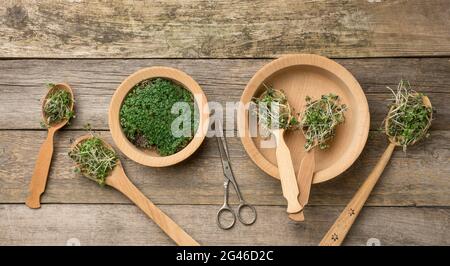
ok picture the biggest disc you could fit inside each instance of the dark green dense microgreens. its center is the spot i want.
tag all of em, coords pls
(408, 119)
(146, 118)
(94, 160)
(57, 106)
(320, 119)
(273, 110)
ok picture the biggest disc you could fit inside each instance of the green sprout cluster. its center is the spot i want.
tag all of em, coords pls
(274, 111)
(57, 106)
(409, 118)
(320, 119)
(94, 160)
(146, 117)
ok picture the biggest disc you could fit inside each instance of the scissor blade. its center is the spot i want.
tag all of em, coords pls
(225, 161)
(223, 149)
(221, 135)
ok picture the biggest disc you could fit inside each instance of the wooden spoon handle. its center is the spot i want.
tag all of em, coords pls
(287, 176)
(304, 179)
(336, 235)
(175, 232)
(40, 174)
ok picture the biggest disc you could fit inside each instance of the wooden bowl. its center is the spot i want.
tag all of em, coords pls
(309, 75)
(151, 157)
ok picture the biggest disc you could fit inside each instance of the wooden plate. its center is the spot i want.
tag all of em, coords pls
(298, 76)
(151, 157)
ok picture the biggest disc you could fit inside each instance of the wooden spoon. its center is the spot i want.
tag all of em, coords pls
(338, 231)
(287, 173)
(286, 168)
(118, 180)
(42, 166)
(304, 179)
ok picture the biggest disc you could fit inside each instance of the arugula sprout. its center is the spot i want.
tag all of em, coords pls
(94, 160)
(57, 107)
(409, 118)
(274, 111)
(320, 119)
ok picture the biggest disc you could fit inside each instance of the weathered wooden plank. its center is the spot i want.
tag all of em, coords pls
(417, 177)
(201, 28)
(94, 81)
(105, 225)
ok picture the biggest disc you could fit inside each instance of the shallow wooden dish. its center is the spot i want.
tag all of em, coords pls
(151, 157)
(309, 75)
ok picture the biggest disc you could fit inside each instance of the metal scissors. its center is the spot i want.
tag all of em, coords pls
(229, 177)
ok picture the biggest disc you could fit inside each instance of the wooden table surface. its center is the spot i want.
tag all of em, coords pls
(94, 45)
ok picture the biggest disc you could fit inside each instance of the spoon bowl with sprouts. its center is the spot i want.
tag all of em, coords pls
(408, 121)
(96, 160)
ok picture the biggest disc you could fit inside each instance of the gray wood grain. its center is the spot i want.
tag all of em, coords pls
(417, 177)
(22, 84)
(201, 28)
(126, 225)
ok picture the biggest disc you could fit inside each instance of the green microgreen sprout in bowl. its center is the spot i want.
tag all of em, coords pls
(57, 106)
(94, 159)
(409, 117)
(320, 119)
(274, 111)
(146, 115)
